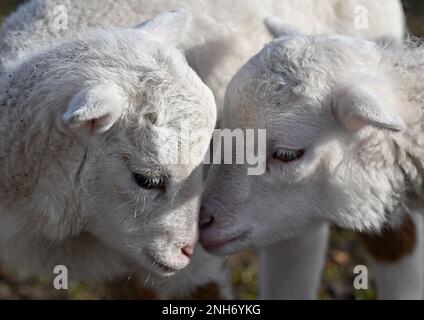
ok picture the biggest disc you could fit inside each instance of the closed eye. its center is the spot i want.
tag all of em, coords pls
(159, 182)
(287, 155)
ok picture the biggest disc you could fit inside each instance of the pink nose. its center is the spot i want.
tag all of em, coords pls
(188, 250)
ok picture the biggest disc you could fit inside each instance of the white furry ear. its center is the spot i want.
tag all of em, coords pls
(95, 109)
(278, 29)
(170, 26)
(355, 107)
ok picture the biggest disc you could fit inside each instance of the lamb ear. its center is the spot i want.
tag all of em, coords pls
(170, 26)
(95, 109)
(355, 107)
(279, 29)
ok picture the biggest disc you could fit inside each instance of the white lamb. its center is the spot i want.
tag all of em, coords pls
(49, 50)
(81, 184)
(344, 120)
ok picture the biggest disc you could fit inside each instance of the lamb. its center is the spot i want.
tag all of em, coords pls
(344, 120)
(208, 37)
(81, 184)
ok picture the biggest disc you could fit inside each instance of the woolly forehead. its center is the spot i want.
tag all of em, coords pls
(119, 56)
(131, 53)
(154, 77)
(177, 134)
(298, 71)
(166, 109)
(310, 65)
(302, 52)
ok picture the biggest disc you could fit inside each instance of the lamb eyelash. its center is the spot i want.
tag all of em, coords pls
(287, 155)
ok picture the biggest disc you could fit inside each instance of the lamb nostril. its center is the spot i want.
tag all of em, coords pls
(206, 222)
(188, 250)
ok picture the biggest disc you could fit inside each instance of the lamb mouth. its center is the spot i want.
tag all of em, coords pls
(164, 268)
(220, 244)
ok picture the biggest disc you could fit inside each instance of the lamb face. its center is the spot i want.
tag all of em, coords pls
(332, 119)
(151, 195)
(110, 108)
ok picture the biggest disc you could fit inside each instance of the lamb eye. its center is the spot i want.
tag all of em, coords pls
(151, 182)
(287, 155)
